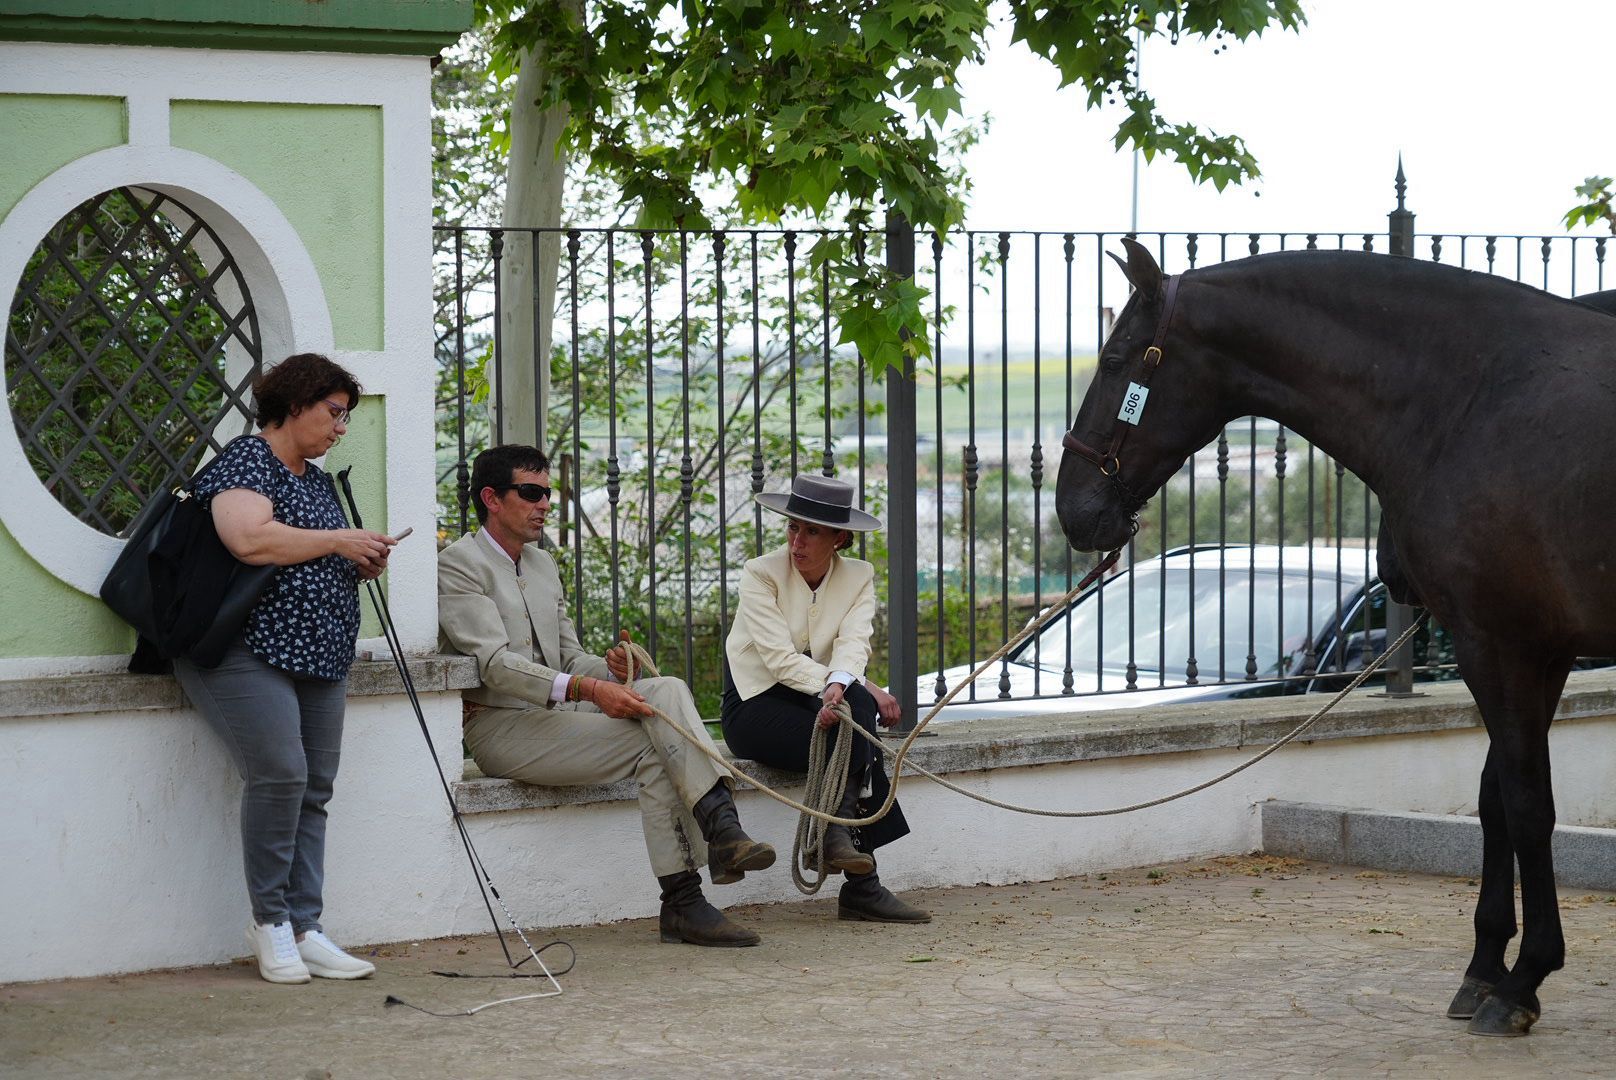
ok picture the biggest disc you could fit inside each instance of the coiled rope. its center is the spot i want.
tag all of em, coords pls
(827, 776)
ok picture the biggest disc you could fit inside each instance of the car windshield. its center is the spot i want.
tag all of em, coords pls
(1250, 621)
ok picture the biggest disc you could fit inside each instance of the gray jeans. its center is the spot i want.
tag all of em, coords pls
(284, 733)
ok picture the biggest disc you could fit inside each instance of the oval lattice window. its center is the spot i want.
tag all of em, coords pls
(129, 353)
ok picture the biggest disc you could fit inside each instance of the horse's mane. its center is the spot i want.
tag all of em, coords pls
(1400, 270)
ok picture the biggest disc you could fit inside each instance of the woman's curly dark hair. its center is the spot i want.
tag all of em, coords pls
(298, 382)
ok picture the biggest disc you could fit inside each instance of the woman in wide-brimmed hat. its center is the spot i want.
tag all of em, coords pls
(798, 647)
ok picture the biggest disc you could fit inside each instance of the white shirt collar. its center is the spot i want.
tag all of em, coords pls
(495, 544)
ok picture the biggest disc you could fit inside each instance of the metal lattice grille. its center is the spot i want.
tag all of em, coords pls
(125, 353)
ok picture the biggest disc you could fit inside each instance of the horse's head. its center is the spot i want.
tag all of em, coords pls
(1147, 409)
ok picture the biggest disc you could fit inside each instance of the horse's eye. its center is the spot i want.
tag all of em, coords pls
(1112, 362)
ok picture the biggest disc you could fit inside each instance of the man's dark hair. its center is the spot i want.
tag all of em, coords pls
(298, 382)
(496, 466)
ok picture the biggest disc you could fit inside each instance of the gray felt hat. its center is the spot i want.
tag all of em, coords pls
(823, 500)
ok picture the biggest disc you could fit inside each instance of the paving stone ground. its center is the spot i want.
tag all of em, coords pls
(1251, 967)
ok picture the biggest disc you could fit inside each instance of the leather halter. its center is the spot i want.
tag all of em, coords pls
(1109, 460)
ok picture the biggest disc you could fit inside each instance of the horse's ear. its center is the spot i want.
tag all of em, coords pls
(1141, 269)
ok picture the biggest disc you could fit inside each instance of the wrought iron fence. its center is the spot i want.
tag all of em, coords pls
(691, 370)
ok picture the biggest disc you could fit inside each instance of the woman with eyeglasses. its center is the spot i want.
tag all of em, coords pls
(277, 698)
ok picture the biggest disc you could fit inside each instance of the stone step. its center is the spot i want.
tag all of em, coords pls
(1584, 857)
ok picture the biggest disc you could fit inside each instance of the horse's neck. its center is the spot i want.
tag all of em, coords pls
(1336, 374)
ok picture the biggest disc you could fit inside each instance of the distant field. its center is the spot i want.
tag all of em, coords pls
(1005, 393)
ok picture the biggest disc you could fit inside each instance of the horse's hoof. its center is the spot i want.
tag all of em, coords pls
(1502, 1019)
(1472, 992)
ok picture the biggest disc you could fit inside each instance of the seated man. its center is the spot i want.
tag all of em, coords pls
(547, 712)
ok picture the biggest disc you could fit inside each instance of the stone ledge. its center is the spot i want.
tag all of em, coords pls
(1061, 738)
(1584, 858)
(104, 692)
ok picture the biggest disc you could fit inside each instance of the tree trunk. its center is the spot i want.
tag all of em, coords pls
(533, 187)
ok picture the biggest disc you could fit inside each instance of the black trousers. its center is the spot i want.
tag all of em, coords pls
(774, 728)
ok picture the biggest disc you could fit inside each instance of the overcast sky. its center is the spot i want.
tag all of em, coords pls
(1499, 110)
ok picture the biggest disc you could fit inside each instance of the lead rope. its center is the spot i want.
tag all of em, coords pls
(827, 783)
(825, 777)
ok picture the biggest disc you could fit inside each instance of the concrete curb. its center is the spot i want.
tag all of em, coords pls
(1422, 843)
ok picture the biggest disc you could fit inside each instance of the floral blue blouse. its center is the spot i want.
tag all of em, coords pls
(307, 621)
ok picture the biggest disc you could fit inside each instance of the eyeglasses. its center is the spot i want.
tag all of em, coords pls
(533, 493)
(338, 413)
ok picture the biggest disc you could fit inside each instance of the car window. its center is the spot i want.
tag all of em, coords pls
(1250, 622)
(1431, 645)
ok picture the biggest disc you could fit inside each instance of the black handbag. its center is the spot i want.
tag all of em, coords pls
(178, 585)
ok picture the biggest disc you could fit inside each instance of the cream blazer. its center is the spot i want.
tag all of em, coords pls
(515, 625)
(785, 632)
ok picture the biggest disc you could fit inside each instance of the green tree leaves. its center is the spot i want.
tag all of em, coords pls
(820, 108)
(1595, 208)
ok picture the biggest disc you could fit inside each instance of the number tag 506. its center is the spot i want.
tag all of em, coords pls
(1133, 403)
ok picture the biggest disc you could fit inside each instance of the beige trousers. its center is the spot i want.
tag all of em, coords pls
(576, 743)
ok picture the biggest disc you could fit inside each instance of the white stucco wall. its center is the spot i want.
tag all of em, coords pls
(121, 848)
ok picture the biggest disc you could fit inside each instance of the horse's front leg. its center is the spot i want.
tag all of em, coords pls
(1495, 908)
(1516, 697)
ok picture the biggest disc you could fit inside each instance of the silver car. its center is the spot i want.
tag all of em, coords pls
(1286, 617)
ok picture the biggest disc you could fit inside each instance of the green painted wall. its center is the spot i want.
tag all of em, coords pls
(322, 166)
(45, 617)
(39, 133)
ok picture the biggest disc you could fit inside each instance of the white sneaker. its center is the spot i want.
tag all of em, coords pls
(276, 950)
(325, 960)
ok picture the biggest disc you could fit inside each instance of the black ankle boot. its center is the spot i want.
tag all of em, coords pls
(837, 846)
(864, 898)
(730, 852)
(687, 916)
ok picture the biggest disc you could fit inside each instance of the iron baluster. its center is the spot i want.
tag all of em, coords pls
(1036, 462)
(969, 503)
(1279, 482)
(827, 464)
(614, 472)
(687, 470)
(939, 685)
(1223, 545)
(1068, 249)
(1251, 551)
(1004, 457)
(757, 406)
(723, 428)
(791, 337)
(577, 438)
(648, 253)
(462, 471)
(496, 247)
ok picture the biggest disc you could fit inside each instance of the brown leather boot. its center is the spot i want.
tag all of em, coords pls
(730, 852)
(864, 898)
(837, 847)
(688, 917)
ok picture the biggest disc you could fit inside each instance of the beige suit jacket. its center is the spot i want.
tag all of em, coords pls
(785, 632)
(515, 625)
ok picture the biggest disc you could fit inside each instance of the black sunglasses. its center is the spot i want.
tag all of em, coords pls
(533, 493)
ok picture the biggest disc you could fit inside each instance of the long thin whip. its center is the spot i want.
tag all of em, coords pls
(485, 881)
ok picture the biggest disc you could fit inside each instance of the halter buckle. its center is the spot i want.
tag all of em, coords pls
(1153, 356)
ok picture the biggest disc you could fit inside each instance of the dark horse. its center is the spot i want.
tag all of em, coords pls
(1483, 413)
